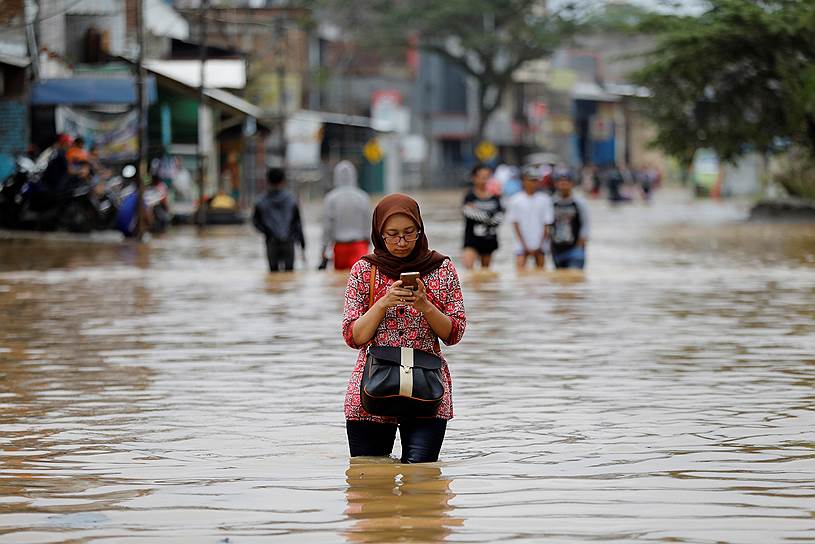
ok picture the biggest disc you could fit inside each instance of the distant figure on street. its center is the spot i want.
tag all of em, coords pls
(615, 180)
(277, 216)
(531, 215)
(55, 175)
(83, 173)
(483, 214)
(571, 223)
(346, 218)
(77, 154)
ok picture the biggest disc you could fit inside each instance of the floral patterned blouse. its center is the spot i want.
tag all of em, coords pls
(402, 326)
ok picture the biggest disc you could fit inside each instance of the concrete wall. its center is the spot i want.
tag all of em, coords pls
(51, 34)
(76, 27)
(616, 53)
(744, 177)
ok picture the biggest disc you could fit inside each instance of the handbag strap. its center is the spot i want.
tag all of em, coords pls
(373, 287)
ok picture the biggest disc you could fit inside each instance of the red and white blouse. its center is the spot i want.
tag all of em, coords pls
(402, 326)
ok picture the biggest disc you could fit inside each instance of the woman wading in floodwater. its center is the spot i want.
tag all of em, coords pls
(400, 317)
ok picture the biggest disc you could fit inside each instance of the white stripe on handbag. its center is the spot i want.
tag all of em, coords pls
(406, 376)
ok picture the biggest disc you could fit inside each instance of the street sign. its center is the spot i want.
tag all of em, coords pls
(373, 151)
(486, 151)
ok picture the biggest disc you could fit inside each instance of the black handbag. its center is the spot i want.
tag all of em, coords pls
(403, 382)
(399, 381)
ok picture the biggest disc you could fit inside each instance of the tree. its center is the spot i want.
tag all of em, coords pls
(739, 77)
(488, 39)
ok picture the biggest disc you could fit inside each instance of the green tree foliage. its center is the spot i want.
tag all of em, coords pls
(740, 76)
(488, 39)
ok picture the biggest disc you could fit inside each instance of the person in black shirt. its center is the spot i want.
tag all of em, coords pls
(570, 231)
(483, 213)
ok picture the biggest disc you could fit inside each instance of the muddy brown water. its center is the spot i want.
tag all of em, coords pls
(177, 393)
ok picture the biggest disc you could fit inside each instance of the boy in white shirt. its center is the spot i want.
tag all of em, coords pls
(531, 215)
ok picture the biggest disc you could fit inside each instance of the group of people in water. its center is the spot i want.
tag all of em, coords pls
(542, 223)
(545, 218)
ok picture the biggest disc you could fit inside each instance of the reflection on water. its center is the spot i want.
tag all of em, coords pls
(392, 502)
(176, 392)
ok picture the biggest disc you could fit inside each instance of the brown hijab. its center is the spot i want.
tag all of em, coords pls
(421, 259)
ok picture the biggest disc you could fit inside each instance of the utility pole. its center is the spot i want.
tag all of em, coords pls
(31, 10)
(280, 37)
(202, 117)
(141, 170)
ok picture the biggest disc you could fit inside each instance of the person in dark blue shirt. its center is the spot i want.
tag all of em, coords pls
(277, 216)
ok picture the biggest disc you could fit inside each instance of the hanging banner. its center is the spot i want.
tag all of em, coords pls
(115, 135)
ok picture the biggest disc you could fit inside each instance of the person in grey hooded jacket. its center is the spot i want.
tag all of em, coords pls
(277, 216)
(346, 218)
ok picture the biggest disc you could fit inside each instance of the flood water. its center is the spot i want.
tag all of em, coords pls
(175, 392)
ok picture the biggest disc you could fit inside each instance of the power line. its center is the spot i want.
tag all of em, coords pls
(249, 22)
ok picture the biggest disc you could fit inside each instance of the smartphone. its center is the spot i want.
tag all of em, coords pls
(409, 280)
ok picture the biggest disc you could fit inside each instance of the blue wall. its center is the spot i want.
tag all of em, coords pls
(13, 133)
(584, 147)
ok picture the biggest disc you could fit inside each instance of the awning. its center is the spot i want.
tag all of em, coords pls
(219, 73)
(589, 90)
(626, 89)
(14, 60)
(235, 102)
(336, 118)
(221, 98)
(86, 91)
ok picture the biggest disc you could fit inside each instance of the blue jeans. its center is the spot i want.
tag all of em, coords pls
(570, 258)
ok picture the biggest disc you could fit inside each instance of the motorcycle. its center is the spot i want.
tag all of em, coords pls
(80, 205)
(154, 203)
(12, 190)
(77, 206)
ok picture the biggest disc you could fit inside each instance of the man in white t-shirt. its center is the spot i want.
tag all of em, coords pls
(531, 215)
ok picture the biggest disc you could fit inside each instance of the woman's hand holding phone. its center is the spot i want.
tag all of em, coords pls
(397, 296)
(420, 302)
(409, 280)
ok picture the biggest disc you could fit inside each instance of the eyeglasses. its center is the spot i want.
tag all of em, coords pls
(410, 237)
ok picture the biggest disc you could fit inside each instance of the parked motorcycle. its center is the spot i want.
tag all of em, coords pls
(78, 205)
(12, 190)
(154, 203)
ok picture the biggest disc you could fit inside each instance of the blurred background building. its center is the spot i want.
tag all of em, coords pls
(289, 85)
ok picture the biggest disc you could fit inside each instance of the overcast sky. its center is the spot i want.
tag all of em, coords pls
(682, 6)
(689, 6)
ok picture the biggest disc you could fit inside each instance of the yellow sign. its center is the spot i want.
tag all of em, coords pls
(486, 151)
(562, 79)
(562, 124)
(373, 151)
(264, 91)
